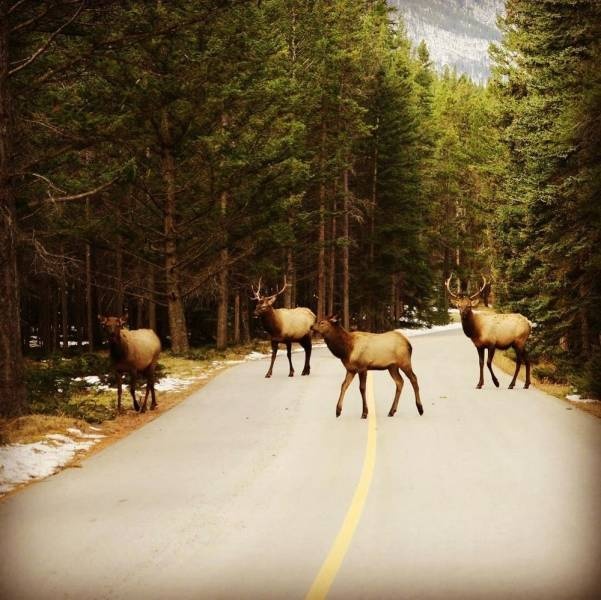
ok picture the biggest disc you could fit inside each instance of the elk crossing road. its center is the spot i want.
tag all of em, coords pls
(252, 488)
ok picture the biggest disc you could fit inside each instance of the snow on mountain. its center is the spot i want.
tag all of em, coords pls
(457, 32)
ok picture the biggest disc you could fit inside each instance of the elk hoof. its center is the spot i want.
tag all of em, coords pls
(338, 411)
(510, 386)
(153, 407)
(527, 386)
(305, 372)
(479, 386)
(391, 413)
(291, 374)
(136, 407)
(268, 375)
(496, 382)
(143, 411)
(420, 409)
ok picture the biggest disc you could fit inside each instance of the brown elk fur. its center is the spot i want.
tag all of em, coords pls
(492, 332)
(361, 351)
(132, 352)
(285, 325)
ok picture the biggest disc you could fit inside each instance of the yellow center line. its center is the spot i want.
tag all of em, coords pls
(323, 582)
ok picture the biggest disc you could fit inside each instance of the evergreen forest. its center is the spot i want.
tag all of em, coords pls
(161, 158)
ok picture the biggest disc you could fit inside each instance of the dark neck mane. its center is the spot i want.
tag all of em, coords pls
(270, 321)
(339, 342)
(117, 348)
(468, 322)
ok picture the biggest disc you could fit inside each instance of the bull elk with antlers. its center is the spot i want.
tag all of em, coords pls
(284, 325)
(492, 332)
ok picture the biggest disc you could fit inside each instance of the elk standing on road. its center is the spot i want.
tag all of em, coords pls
(360, 352)
(494, 332)
(285, 325)
(132, 352)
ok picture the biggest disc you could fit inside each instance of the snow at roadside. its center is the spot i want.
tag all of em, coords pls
(21, 463)
(579, 398)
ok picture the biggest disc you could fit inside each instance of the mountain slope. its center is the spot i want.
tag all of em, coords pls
(457, 32)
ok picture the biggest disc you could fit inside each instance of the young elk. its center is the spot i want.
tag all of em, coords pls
(360, 352)
(492, 332)
(285, 325)
(132, 352)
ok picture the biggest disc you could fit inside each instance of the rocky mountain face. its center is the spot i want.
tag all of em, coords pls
(457, 32)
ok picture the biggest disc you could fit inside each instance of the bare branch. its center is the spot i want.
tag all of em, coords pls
(27, 61)
(79, 196)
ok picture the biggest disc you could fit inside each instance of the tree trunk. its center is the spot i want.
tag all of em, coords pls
(64, 308)
(289, 274)
(237, 317)
(152, 307)
(12, 389)
(245, 323)
(89, 295)
(345, 253)
(321, 266)
(332, 269)
(119, 296)
(222, 306)
(178, 330)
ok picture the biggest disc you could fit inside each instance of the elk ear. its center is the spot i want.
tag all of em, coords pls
(101, 319)
(271, 300)
(475, 302)
(334, 320)
(125, 318)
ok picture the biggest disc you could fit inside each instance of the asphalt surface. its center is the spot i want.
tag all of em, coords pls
(241, 490)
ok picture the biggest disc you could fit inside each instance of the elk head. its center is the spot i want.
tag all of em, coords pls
(464, 302)
(113, 325)
(326, 325)
(264, 303)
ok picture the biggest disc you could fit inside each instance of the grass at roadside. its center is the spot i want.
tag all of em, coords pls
(63, 399)
(506, 362)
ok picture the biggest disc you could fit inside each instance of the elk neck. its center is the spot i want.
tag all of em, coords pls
(468, 322)
(270, 321)
(339, 342)
(117, 347)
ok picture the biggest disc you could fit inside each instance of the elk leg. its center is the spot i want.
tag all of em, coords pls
(518, 364)
(274, 351)
(306, 344)
(413, 379)
(149, 386)
(362, 388)
(153, 404)
(347, 381)
(132, 390)
(396, 375)
(119, 390)
(481, 360)
(491, 354)
(527, 361)
(289, 354)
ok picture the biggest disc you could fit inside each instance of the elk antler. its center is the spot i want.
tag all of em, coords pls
(257, 292)
(282, 290)
(447, 282)
(474, 296)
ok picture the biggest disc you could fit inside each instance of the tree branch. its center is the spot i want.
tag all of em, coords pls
(27, 61)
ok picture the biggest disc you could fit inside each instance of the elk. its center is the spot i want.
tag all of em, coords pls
(284, 325)
(361, 351)
(492, 332)
(132, 352)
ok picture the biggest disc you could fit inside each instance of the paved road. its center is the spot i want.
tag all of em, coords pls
(240, 492)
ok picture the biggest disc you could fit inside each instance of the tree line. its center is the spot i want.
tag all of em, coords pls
(160, 157)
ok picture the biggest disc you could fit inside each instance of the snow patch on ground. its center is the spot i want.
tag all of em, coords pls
(429, 330)
(579, 398)
(21, 463)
